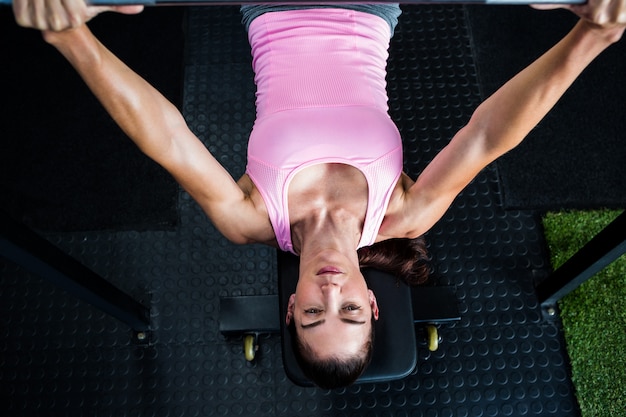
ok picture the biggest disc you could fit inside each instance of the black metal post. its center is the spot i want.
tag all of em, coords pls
(604, 248)
(24, 247)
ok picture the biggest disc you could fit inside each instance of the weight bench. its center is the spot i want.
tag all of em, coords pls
(395, 345)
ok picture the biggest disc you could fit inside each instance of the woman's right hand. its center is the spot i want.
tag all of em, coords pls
(60, 15)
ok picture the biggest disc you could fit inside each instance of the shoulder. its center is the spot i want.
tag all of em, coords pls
(243, 220)
(409, 214)
(252, 217)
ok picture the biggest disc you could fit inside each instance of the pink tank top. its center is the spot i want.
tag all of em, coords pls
(321, 98)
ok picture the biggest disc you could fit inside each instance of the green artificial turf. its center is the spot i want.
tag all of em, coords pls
(593, 316)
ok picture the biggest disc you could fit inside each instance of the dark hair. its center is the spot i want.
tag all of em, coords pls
(405, 258)
(332, 372)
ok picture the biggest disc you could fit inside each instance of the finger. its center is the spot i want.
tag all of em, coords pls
(622, 16)
(56, 16)
(21, 12)
(130, 9)
(76, 12)
(549, 6)
(582, 10)
(618, 12)
(38, 14)
(124, 9)
(604, 13)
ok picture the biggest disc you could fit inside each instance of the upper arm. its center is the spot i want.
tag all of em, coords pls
(454, 167)
(210, 185)
(158, 128)
(500, 123)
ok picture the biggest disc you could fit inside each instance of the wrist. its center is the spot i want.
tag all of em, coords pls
(608, 34)
(77, 45)
(60, 38)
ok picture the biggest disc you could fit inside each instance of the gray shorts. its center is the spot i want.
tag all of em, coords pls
(387, 11)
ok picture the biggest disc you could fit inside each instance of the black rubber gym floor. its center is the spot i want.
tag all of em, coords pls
(60, 356)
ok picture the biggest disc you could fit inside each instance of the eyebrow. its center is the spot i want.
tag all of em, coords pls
(319, 322)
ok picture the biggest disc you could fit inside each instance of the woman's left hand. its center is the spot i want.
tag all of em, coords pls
(605, 14)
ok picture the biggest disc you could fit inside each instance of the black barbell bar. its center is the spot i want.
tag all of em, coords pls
(237, 2)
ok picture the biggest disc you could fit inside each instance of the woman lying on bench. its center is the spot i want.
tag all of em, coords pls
(324, 178)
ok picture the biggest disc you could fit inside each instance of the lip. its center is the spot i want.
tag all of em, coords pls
(329, 270)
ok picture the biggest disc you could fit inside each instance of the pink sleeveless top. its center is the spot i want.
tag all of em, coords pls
(321, 98)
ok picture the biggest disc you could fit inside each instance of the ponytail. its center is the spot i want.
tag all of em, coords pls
(405, 258)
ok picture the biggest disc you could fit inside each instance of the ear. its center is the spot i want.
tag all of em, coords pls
(373, 304)
(290, 308)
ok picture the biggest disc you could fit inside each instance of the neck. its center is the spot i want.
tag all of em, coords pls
(322, 229)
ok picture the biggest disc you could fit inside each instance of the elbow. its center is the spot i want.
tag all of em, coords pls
(239, 239)
(232, 232)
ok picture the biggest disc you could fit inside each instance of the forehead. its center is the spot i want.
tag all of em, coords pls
(335, 338)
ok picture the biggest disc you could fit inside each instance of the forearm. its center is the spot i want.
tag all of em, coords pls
(506, 117)
(147, 117)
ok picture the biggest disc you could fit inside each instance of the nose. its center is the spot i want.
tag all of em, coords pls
(330, 288)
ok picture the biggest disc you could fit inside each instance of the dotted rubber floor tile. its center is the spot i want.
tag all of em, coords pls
(60, 356)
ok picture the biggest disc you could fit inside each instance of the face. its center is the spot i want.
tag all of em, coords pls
(332, 307)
